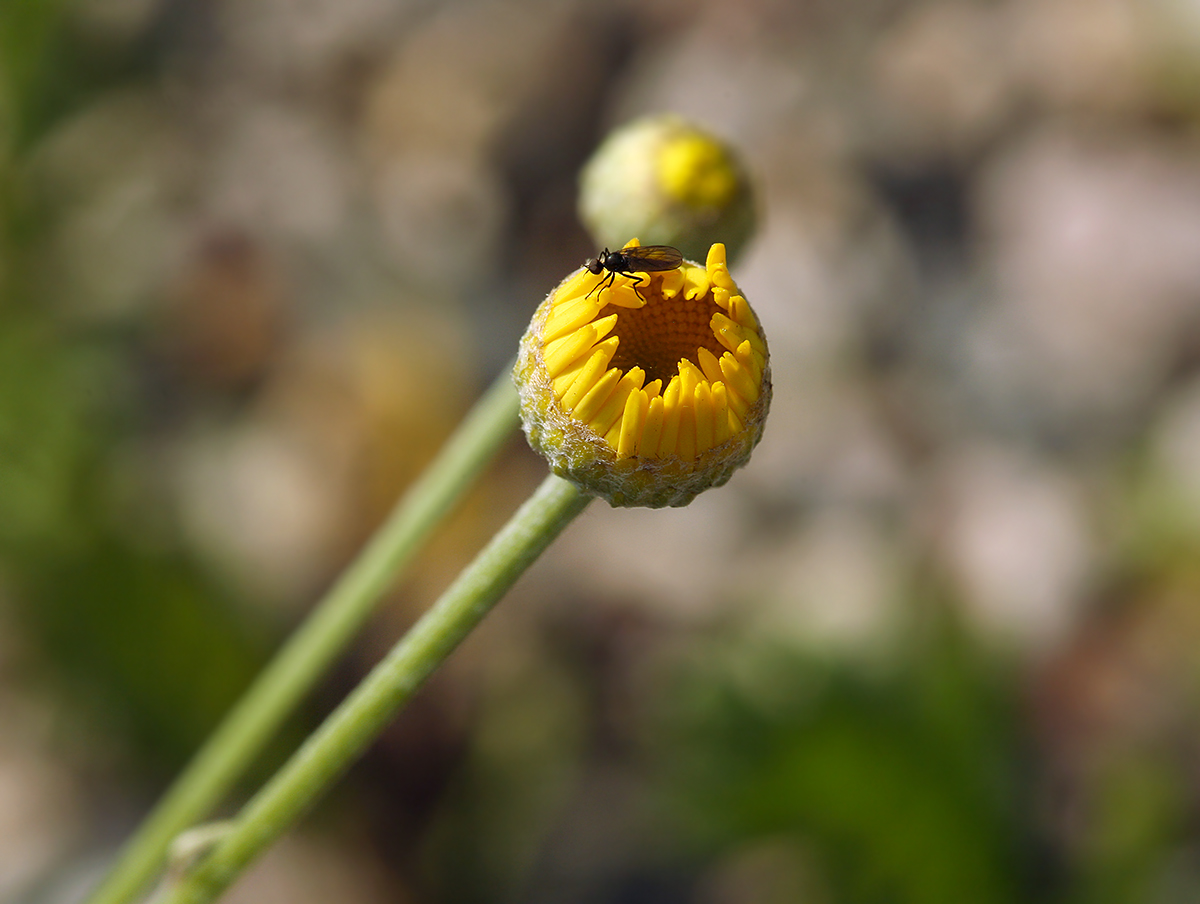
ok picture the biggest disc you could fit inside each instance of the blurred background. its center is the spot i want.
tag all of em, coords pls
(936, 643)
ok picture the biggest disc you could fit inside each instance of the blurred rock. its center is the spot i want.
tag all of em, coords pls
(1093, 241)
(754, 85)
(833, 587)
(438, 120)
(307, 869)
(688, 573)
(112, 172)
(1089, 55)
(264, 507)
(1176, 450)
(41, 806)
(442, 218)
(272, 42)
(280, 496)
(1014, 537)
(114, 20)
(280, 170)
(773, 871)
(225, 312)
(943, 77)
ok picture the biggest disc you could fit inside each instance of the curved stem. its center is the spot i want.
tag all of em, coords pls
(314, 646)
(331, 749)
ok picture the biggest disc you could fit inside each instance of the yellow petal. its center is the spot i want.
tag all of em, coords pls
(728, 333)
(740, 311)
(705, 428)
(689, 376)
(670, 430)
(740, 383)
(652, 431)
(569, 316)
(708, 364)
(637, 406)
(595, 397)
(562, 353)
(672, 281)
(695, 282)
(722, 429)
(621, 294)
(686, 441)
(753, 362)
(591, 372)
(716, 256)
(603, 422)
(574, 285)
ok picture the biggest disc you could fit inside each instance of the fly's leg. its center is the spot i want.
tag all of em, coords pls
(637, 281)
(603, 284)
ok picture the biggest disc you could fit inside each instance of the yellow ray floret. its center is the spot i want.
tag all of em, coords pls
(615, 406)
(695, 282)
(592, 363)
(652, 429)
(710, 366)
(672, 282)
(705, 416)
(570, 317)
(723, 427)
(637, 407)
(739, 381)
(589, 374)
(670, 429)
(562, 353)
(593, 400)
(685, 443)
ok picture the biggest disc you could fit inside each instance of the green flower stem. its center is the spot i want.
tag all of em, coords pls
(314, 646)
(331, 749)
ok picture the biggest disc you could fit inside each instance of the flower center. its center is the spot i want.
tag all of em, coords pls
(656, 336)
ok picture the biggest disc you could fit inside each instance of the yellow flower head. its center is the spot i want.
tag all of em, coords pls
(645, 388)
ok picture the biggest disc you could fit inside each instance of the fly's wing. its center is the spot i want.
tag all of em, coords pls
(651, 258)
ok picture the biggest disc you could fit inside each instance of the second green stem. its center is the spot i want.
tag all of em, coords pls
(328, 630)
(346, 733)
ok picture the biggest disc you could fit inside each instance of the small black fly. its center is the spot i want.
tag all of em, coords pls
(629, 261)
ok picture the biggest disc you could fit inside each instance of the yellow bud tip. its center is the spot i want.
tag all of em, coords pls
(671, 182)
(697, 171)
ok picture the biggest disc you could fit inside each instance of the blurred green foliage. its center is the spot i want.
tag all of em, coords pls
(903, 784)
(48, 67)
(753, 769)
(121, 617)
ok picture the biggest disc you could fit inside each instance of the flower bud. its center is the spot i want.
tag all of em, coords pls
(645, 388)
(670, 182)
